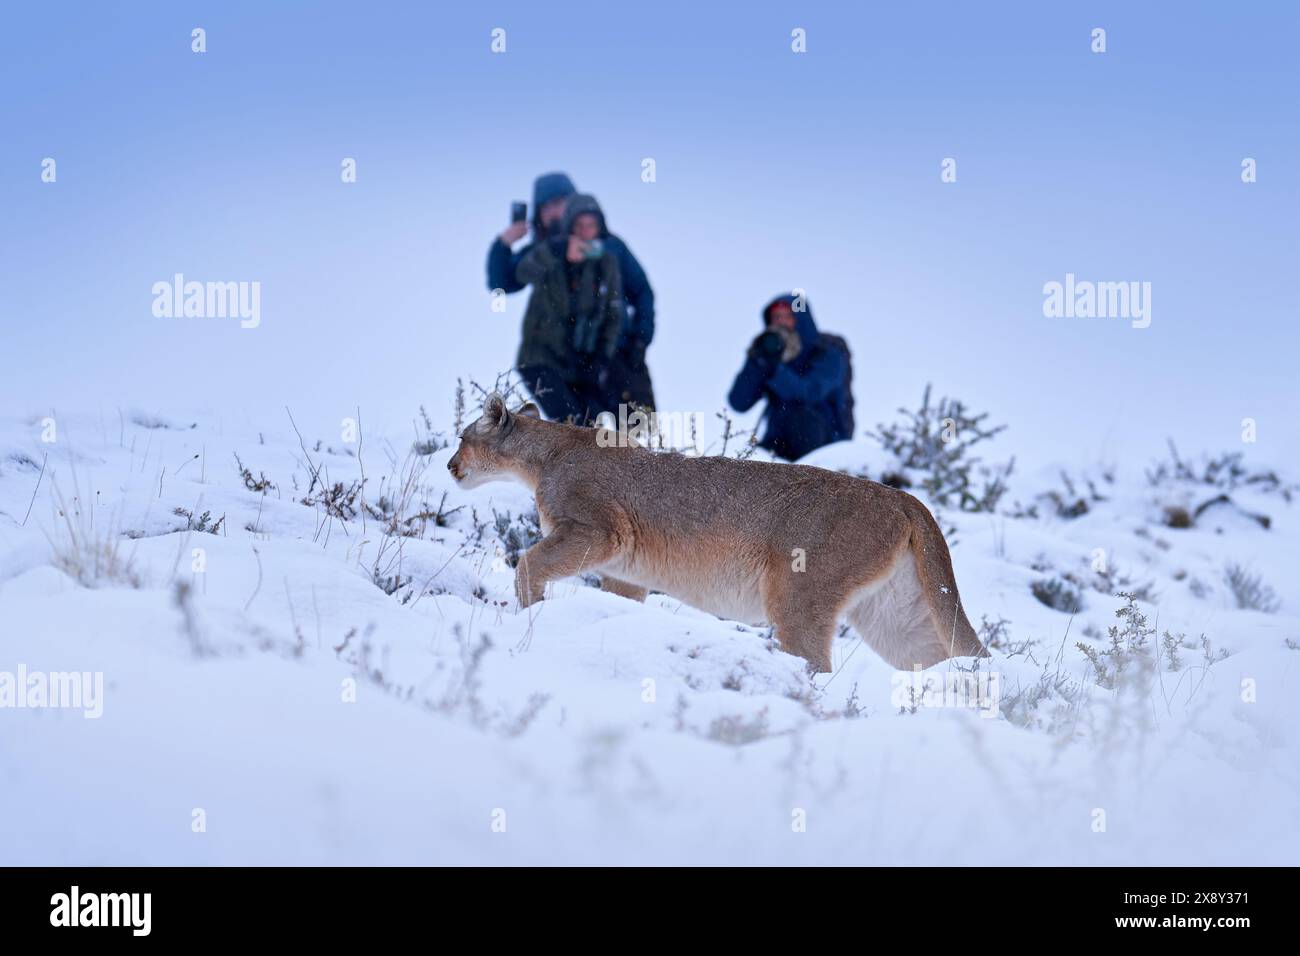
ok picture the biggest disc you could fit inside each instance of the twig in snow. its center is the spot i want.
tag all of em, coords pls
(249, 602)
(44, 459)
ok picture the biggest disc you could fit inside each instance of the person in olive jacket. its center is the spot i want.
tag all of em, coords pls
(629, 377)
(574, 317)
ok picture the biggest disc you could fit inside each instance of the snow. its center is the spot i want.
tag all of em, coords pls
(311, 717)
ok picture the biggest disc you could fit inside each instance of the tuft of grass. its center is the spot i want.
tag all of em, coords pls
(516, 533)
(1070, 501)
(1129, 647)
(1249, 590)
(154, 422)
(261, 484)
(202, 523)
(87, 552)
(427, 442)
(735, 731)
(1058, 594)
(1226, 471)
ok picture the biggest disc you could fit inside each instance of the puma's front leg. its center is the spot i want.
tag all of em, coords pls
(622, 588)
(568, 550)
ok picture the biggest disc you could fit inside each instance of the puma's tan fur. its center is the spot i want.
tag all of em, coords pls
(725, 536)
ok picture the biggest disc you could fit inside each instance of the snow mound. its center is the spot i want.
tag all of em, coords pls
(310, 653)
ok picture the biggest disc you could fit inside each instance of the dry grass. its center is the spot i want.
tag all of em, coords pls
(86, 550)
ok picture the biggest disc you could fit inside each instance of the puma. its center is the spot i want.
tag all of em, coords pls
(796, 546)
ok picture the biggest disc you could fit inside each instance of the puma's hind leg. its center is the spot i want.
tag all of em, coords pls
(804, 627)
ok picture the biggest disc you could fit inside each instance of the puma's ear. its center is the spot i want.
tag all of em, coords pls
(494, 411)
(529, 409)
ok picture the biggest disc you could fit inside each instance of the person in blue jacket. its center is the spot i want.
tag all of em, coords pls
(804, 377)
(550, 193)
(628, 379)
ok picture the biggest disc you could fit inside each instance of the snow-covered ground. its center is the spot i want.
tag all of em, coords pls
(267, 700)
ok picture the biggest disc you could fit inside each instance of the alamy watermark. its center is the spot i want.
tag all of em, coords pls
(971, 690)
(1084, 299)
(71, 690)
(208, 300)
(663, 431)
(130, 910)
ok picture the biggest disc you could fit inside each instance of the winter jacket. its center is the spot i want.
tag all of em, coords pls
(502, 263)
(807, 389)
(639, 326)
(503, 267)
(575, 313)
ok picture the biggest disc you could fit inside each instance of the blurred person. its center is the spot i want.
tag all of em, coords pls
(628, 378)
(574, 318)
(806, 377)
(550, 193)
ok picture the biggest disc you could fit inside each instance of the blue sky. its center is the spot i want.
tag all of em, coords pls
(774, 170)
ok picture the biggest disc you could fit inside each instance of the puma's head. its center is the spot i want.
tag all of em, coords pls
(490, 448)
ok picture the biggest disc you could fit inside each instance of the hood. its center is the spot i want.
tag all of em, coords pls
(550, 186)
(803, 320)
(578, 204)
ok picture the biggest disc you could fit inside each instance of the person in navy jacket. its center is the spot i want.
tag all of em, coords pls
(804, 377)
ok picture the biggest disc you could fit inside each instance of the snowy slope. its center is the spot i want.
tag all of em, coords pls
(264, 681)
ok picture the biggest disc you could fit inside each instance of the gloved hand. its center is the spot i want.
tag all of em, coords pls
(767, 348)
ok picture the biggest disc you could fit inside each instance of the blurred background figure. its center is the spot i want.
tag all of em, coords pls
(806, 377)
(550, 192)
(575, 315)
(628, 379)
